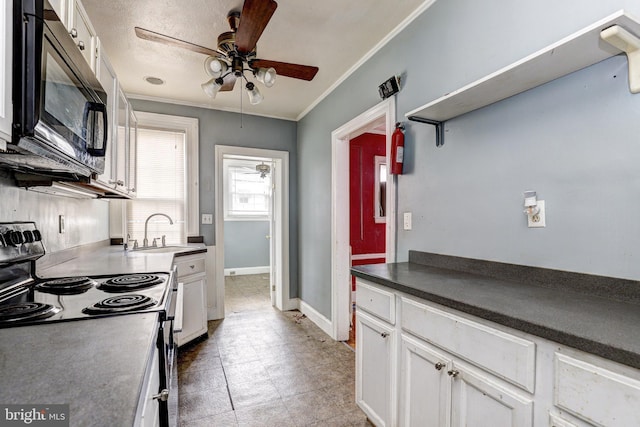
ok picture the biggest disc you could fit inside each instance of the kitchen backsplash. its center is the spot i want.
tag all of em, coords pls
(86, 220)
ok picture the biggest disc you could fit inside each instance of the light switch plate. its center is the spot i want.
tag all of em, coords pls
(207, 218)
(407, 221)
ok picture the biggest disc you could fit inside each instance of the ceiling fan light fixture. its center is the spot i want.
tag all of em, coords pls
(255, 97)
(215, 67)
(263, 169)
(266, 76)
(212, 87)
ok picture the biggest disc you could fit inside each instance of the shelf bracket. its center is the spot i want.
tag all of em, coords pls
(439, 128)
(629, 43)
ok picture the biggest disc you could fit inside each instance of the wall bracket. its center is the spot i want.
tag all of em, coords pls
(439, 128)
(629, 43)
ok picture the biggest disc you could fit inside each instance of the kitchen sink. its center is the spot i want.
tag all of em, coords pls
(162, 249)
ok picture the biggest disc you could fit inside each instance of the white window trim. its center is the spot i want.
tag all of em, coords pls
(189, 126)
(379, 160)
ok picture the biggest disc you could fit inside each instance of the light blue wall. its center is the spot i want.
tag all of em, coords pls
(224, 128)
(575, 141)
(245, 244)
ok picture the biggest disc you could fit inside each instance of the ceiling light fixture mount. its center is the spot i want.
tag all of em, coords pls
(236, 53)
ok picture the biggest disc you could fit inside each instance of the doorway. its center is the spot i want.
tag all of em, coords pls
(380, 116)
(252, 223)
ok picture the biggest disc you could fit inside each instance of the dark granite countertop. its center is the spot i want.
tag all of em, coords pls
(555, 308)
(97, 366)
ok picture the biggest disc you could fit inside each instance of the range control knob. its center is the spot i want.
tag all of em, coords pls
(13, 238)
(2, 241)
(28, 236)
(36, 235)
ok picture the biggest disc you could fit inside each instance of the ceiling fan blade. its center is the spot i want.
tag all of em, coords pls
(172, 41)
(254, 18)
(229, 82)
(296, 71)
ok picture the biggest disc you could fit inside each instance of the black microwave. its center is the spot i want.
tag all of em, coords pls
(59, 107)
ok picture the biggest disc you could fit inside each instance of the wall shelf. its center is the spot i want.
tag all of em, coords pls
(575, 52)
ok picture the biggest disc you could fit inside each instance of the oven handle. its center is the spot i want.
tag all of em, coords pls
(177, 320)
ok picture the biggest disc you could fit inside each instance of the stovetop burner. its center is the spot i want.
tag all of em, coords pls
(67, 285)
(121, 303)
(26, 311)
(130, 282)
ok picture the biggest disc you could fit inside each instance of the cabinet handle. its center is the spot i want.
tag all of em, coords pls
(192, 266)
(384, 334)
(162, 396)
(81, 45)
(73, 33)
(453, 373)
(439, 366)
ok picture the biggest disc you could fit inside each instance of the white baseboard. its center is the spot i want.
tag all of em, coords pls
(317, 318)
(246, 270)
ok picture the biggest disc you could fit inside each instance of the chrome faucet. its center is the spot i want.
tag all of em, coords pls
(145, 242)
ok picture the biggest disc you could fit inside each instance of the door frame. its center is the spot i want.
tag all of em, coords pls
(340, 248)
(280, 260)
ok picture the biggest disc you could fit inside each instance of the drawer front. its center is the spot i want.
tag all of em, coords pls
(595, 394)
(189, 267)
(507, 356)
(376, 301)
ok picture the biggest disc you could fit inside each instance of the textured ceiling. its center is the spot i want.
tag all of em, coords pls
(330, 34)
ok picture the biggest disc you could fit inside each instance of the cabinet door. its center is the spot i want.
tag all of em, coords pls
(479, 401)
(82, 32)
(5, 70)
(425, 387)
(108, 80)
(194, 322)
(132, 150)
(121, 145)
(375, 344)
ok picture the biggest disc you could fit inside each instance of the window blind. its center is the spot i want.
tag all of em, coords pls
(161, 187)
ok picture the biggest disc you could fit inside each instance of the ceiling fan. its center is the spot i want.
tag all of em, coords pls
(236, 52)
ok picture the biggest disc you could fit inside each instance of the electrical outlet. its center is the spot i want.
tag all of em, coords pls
(538, 220)
(207, 218)
(61, 224)
(407, 221)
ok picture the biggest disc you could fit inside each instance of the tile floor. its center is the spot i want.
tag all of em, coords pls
(261, 367)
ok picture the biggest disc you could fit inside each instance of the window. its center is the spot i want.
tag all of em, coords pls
(167, 179)
(247, 194)
(380, 190)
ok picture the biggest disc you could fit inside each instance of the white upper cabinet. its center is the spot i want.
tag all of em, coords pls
(109, 81)
(5, 70)
(82, 31)
(132, 171)
(60, 7)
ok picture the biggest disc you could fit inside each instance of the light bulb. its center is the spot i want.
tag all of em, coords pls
(266, 76)
(215, 67)
(212, 87)
(255, 97)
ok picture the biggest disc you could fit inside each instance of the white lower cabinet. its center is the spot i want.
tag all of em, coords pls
(148, 414)
(478, 400)
(436, 390)
(193, 276)
(375, 347)
(425, 387)
(455, 369)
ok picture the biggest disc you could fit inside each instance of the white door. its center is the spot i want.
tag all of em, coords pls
(272, 239)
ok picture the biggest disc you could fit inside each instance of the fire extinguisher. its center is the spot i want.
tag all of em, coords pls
(397, 149)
